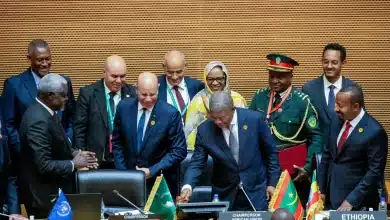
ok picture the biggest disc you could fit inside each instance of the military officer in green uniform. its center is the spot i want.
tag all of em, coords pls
(292, 120)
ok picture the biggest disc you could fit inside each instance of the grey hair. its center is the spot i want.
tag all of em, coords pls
(52, 83)
(221, 100)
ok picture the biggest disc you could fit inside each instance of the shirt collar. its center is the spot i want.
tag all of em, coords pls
(37, 79)
(354, 122)
(338, 84)
(182, 84)
(234, 119)
(140, 107)
(107, 90)
(283, 93)
(46, 107)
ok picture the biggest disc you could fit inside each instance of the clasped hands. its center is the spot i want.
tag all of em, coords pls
(84, 160)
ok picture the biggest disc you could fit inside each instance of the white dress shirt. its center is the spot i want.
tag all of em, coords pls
(353, 123)
(147, 116)
(226, 133)
(183, 91)
(338, 84)
(117, 97)
(52, 113)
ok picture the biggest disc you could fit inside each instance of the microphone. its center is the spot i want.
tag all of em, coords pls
(134, 206)
(241, 186)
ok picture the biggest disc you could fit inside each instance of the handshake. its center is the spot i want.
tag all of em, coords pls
(84, 160)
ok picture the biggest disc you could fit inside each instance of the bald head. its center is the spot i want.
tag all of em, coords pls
(174, 66)
(282, 214)
(115, 73)
(147, 89)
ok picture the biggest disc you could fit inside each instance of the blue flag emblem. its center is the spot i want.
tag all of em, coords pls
(61, 210)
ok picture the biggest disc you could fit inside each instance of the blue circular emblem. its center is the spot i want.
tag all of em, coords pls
(63, 209)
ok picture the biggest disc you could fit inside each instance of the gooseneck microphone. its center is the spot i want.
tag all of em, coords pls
(241, 186)
(134, 206)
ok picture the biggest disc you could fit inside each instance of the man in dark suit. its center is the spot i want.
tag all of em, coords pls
(175, 88)
(244, 154)
(354, 159)
(323, 90)
(48, 159)
(148, 135)
(4, 158)
(19, 92)
(95, 111)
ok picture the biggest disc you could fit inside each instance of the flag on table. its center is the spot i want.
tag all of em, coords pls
(286, 196)
(315, 203)
(160, 201)
(61, 210)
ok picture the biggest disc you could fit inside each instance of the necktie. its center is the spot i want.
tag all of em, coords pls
(112, 107)
(331, 98)
(233, 145)
(179, 98)
(140, 130)
(277, 99)
(344, 135)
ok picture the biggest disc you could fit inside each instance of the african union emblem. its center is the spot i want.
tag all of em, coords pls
(63, 209)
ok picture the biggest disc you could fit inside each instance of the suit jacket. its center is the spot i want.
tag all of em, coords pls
(46, 157)
(19, 92)
(91, 128)
(258, 160)
(193, 86)
(4, 154)
(353, 173)
(163, 147)
(315, 90)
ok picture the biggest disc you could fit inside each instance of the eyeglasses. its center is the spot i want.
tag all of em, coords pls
(218, 79)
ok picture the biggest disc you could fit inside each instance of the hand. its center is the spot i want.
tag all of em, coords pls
(83, 169)
(323, 197)
(345, 206)
(270, 192)
(302, 174)
(145, 170)
(91, 156)
(81, 161)
(17, 217)
(184, 196)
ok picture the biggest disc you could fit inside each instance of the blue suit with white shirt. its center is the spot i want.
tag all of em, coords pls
(193, 87)
(163, 145)
(257, 166)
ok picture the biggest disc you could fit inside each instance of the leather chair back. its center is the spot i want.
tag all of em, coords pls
(129, 183)
(205, 179)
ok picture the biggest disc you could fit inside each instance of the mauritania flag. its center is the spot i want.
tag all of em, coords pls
(315, 203)
(160, 201)
(61, 210)
(286, 196)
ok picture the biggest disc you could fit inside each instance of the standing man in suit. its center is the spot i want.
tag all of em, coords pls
(354, 159)
(175, 88)
(244, 154)
(148, 135)
(323, 90)
(48, 158)
(4, 158)
(20, 92)
(95, 111)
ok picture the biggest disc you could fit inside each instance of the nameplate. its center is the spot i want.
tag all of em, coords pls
(245, 215)
(357, 215)
(136, 217)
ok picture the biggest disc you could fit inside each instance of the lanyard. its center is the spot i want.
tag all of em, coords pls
(110, 113)
(175, 104)
(271, 100)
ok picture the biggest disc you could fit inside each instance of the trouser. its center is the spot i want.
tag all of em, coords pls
(241, 203)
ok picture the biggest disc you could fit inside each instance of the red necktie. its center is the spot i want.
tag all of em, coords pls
(179, 98)
(344, 135)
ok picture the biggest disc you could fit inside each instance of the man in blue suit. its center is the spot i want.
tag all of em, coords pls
(175, 88)
(4, 158)
(19, 92)
(244, 154)
(148, 135)
(354, 159)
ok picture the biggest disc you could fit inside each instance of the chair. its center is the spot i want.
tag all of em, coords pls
(202, 192)
(130, 183)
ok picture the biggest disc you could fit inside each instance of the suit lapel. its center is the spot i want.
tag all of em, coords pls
(101, 100)
(286, 105)
(125, 92)
(243, 135)
(221, 142)
(190, 88)
(322, 96)
(162, 89)
(151, 126)
(29, 83)
(337, 128)
(354, 134)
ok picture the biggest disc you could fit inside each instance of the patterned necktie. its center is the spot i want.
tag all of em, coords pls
(331, 98)
(112, 107)
(344, 135)
(179, 98)
(233, 145)
(140, 130)
(277, 99)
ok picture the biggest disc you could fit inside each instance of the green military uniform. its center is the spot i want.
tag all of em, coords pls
(295, 122)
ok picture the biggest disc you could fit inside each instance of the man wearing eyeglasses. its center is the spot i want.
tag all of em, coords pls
(175, 88)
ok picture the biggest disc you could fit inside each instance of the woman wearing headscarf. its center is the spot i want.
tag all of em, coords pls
(216, 78)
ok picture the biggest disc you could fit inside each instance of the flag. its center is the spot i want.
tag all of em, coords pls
(61, 210)
(315, 203)
(160, 201)
(286, 196)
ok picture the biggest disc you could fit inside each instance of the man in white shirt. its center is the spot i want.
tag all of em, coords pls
(244, 156)
(354, 158)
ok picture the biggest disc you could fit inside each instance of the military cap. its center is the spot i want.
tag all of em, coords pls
(281, 63)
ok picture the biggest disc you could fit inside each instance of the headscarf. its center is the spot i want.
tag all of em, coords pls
(207, 70)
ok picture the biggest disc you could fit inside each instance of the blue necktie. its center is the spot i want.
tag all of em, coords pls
(331, 98)
(140, 130)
